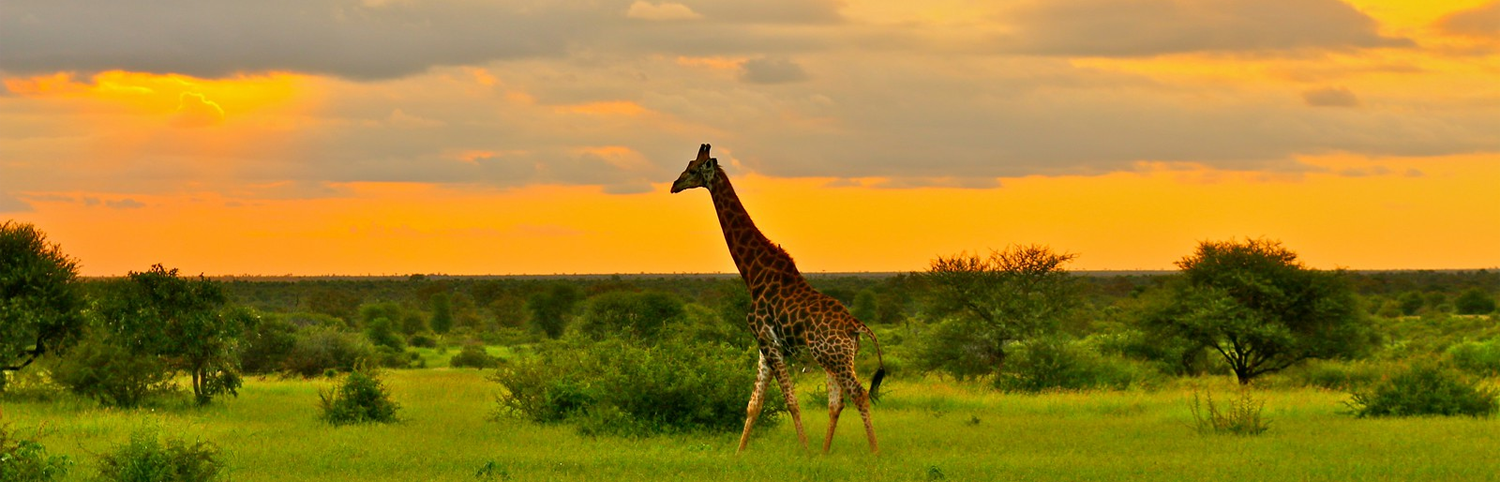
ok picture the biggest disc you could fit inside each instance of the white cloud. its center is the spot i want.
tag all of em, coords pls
(193, 110)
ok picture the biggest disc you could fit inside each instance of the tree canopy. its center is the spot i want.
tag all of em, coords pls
(158, 313)
(40, 306)
(990, 302)
(1259, 308)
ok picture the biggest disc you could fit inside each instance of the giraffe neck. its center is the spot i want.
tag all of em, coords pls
(763, 264)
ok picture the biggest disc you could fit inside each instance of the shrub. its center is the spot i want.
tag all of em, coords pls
(1338, 375)
(112, 375)
(146, 458)
(387, 357)
(623, 313)
(266, 344)
(382, 333)
(1054, 363)
(422, 340)
(1425, 389)
(1475, 301)
(620, 387)
(1479, 358)
(361, 398)
(26, 460)
(473, 356)
(1240, 417)
(318, 350)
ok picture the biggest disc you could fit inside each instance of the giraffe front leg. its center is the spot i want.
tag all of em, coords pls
(757, 398)
(835, 406)
(787, 389)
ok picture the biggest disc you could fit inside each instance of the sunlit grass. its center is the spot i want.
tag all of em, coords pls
(927, 426)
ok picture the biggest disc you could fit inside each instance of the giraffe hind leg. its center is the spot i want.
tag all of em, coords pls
(861, 400)
(835, 406)
(783, 377)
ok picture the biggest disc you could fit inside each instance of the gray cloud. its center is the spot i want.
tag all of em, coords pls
(126, 203)
(347, 38)
(1111, 28)
(770, 11)
(772, 71)
(1330, 97)
(371, 40)
(1483, 21)
(9, 204)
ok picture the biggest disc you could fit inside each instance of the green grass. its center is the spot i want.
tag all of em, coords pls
(435, 358)
(926, 427)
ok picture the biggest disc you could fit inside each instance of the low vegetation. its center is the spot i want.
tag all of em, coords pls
(147, 457)
(360, 397)
(648, 377)
(1425, 389)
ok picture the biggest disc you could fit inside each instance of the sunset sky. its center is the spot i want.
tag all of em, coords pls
(317, 137)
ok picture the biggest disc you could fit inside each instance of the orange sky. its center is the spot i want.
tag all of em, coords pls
(887, 135)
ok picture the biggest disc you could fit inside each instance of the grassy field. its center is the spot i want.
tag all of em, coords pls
(928, 430)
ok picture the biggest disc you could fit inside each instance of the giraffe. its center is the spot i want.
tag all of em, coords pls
(787, 316)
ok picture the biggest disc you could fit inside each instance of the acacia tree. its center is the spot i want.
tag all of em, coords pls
(157, 313)
(989, 303)
(40, 307)
(1259, 308)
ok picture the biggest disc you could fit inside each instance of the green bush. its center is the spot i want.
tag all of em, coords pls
(361, 398)
(1480, 358)
(112, 375)
(626, 388)
(147, 459)
(473, 355)
(629, 314)
(1425, 389)
(387, 357)
(1338, 375)
(1055, 363)
(1475, 301)
(320, 349)
(423, 340)
(26, 460)
(266, 343)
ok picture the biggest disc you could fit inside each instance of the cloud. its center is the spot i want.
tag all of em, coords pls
(125, 204)
(1137, 28)
(772, 71)
(10, 204)
(1330, 97)
(370, 40)
(1482, 21)
(771, 11)
(346, 38)
(665, 11)
(193, 110)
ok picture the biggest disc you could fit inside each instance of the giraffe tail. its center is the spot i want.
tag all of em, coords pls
(879, 372)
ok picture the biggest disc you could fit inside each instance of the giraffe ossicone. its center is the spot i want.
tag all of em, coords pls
(787, 315)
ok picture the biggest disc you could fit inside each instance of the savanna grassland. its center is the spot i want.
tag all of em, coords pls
(929, 430)
(1245, 365)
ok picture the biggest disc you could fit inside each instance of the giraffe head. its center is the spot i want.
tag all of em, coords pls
(699, 173)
